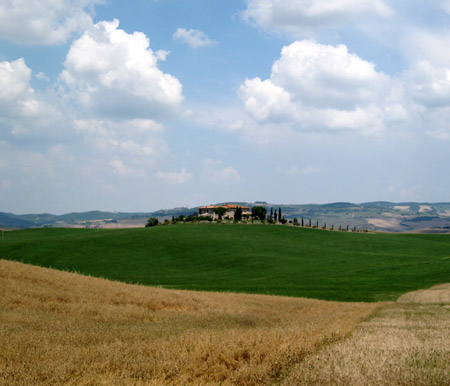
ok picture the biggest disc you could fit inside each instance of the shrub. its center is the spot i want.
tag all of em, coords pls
(152, 221)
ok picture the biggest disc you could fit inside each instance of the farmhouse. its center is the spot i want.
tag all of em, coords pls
(231, 210)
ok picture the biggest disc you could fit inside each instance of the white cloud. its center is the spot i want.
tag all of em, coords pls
(192, 37)
(23, 112)
(264, 99)
(136, 138)
(429, 85)
(42, 76)
(44, 21)
(123, 170)
(427, 94)
(300, 15)
(318, 87)
(418, 45)
(14, 81)
(175, 178)
(112, 73)
(326, 75)
(215, 172)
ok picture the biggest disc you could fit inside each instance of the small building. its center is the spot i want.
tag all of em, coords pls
(231, 210)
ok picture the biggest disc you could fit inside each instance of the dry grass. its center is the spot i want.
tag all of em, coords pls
(438, 294)
(63, 328)
(404, 344)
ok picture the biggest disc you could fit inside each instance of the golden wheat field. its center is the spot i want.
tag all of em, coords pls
(63, 328)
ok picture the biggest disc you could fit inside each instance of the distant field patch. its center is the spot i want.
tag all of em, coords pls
(425, 208)
(391, 222)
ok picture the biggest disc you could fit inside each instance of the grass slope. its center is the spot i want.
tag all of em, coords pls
(244, 258)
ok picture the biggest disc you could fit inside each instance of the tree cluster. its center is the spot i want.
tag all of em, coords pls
(259, 212)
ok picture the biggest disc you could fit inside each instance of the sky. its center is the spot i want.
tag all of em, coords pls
(150, 104)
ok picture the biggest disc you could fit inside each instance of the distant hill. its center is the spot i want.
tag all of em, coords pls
(376, 216)
(10, 220)
(45, 219)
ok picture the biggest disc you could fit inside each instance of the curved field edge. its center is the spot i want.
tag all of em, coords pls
(264, 259)
(64, 328)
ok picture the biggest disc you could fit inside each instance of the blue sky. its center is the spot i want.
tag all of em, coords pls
(142, 105)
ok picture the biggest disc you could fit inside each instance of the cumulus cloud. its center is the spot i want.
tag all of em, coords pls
(264, 99)
(175, 178)
(22, 110)
(300, 15)
(44, 21)
(14, 81)
(112, 73)
(315, 86)
(326, 75)
(192, 37)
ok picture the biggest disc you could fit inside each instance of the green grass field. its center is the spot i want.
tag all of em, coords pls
(263, 259)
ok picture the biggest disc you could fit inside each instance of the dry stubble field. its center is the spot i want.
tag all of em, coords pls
(404, 343)
(62, 328)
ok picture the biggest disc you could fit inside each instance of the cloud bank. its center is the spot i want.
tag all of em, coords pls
(298, 16)
(44, 22)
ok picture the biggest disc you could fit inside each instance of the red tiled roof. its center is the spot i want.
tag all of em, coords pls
(228, 206)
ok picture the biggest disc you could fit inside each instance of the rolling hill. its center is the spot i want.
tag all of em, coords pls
(263, 259)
